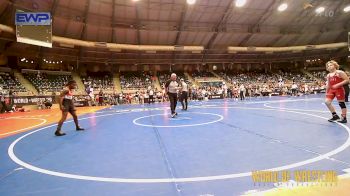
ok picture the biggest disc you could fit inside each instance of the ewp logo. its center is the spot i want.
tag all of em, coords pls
(32, 18)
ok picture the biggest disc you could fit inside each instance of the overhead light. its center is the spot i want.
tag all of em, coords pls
(282, 7)
(135, 0)
(191, 2)
(347, 8)
(32, 62)
(61, 62)
(240, 3)
(320, 10)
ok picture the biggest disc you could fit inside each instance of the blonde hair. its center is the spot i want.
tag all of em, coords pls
(334, 63)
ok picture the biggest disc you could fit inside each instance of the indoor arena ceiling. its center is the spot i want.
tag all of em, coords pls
(213, 24)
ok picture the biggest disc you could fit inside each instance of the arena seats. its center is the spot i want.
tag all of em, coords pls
(47, 82)
(99, 81)
(10, 82)
(136, 81)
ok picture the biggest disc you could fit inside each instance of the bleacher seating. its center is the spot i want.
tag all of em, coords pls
(47, 83)
(136, 81)
(100, 81)
(202, 74)
(10, 82)
(320, 75)
(164, 76)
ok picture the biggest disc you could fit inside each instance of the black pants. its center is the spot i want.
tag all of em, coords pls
(3, 107)
(184, 97)
(68, 108)
(241, 94)
(346, 88)
(173, 101)
(151, 99)
(48, 105)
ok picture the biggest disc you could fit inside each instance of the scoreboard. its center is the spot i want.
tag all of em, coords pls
(34, 28)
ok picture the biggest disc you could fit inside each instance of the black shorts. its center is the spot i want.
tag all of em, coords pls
(184, 95)
(68, 106)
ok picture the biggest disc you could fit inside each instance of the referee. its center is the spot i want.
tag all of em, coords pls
(171, 87)
(184, 94)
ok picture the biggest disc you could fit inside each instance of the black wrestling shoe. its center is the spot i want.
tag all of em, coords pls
(173, 115)
(343, 120)
(59, 133)
(334, 118)
(79, 129)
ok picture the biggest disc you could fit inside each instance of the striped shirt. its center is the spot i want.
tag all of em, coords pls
(171, 86)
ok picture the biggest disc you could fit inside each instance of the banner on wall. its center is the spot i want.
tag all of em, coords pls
(32, 100)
